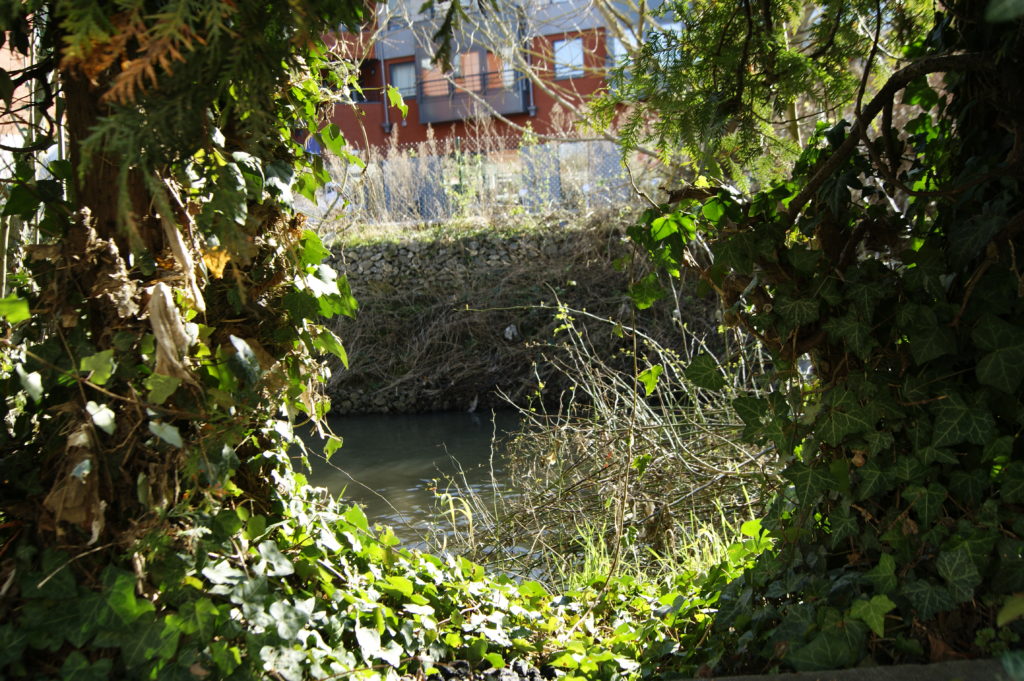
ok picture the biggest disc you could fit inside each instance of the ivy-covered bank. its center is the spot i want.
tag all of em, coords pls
(451, 315)
(305, 588)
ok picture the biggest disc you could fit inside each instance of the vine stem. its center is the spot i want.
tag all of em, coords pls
(898, 81)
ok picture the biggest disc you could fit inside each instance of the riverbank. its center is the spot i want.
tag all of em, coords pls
(466, 316)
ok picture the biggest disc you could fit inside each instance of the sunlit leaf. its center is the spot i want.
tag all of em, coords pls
(396, 100)
(100, 366)
(274, 563)
(161, 387)
(1012, 610)
(31, 382)
(167, 432)
(873, 612)
(14, 309)
(649, 378)
(102, 416)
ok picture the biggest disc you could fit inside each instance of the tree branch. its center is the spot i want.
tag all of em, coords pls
(898, 81)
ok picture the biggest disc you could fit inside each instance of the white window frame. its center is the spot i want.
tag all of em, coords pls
(562, 52)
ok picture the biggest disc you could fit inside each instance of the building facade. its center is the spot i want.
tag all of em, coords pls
(563, 43)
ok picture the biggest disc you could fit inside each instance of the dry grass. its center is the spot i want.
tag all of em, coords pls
(445, 339)
(614, 481)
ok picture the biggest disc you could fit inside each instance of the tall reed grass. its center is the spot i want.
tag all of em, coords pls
(619, 479)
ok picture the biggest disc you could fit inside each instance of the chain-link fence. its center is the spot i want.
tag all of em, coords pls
(487, 176)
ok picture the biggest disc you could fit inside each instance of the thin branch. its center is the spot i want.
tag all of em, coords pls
(898, 81)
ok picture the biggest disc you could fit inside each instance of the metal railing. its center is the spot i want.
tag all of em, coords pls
(456, 98)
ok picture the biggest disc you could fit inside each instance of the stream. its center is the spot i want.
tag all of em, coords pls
(392, 463)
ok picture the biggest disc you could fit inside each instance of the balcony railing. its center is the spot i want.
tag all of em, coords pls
(457, 98)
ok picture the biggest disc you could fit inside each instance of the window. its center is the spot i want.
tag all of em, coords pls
(568, 58)
(403, 77)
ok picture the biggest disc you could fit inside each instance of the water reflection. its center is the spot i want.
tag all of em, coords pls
(391, 462)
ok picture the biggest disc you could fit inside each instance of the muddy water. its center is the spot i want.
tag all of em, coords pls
(393, 463)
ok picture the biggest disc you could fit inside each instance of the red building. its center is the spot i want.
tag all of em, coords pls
(564, 44)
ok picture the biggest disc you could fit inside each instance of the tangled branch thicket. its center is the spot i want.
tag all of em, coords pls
(616, 480)
(441, 326)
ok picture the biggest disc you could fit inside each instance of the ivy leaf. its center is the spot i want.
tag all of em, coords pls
(274, 563)
(797, 311)
(737, 252)
(369, 642)
(873, 612)
(649, 378)
(77, 667)
(122, 600)
(705, 373)
(23, 200)
(222, 572)
(244, 362)
(291, 618)
(285, 662)
(961, 574)
(1011, 488)
(199, 617)
(327, 341)
(883, 576)
(161, 387)
(969, 237)
(927, 598)
(809, 483)
(713, 210)
(873, 480)
(664, 227)
(14, 309)
(969, 486)
(1003, 366)
(931, 344)
(907, 468)
(332, 445)
(100, 366)
(279, 179)
(398, 585)
(646, 292)
(830, 649)
(845, 416)
(802, 258)
(957, 422)
(750, 409)
(152, 640)
(32, 383)
(927, 501)
(850, 330)
(842, 524)
(332, 138)
(863, 297)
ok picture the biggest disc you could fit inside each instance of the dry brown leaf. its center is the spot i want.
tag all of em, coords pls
(74, 497)
(172, 342)
(135, 72)
(216, 260)
(113, 281)
(185, 262)
(103, 54)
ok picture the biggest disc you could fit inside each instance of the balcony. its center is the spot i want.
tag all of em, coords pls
(457, 98)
